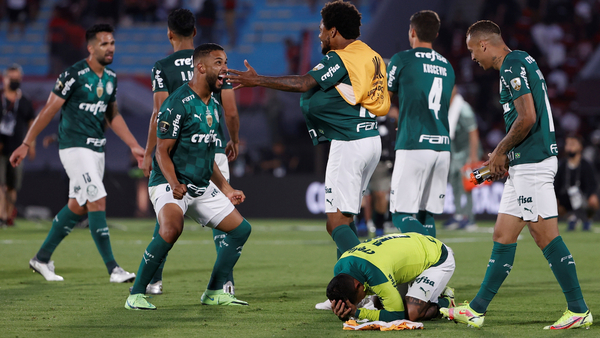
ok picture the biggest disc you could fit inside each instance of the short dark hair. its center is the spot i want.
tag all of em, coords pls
(576, 136)
(205, 49)
(342, 288)
(90, 34)
(181, 22)
(426, 24)
(344, 17)
(484, 27)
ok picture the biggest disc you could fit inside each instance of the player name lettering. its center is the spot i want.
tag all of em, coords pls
(96, 142)
(434, 139)
(366, 126)
(433, 69)
(182, 62)
(98, 107)
(330, 72)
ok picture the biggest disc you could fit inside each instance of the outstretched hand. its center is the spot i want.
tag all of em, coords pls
(249, 78)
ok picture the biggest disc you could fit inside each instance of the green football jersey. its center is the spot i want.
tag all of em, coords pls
(86, 97)
(328, 116)
(172, 72)
(423, 80)
(184, 117)
(520, 75)
(383, 263)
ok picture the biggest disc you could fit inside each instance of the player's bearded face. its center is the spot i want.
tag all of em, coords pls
(216, 70)
(325, 39)
(104, 48)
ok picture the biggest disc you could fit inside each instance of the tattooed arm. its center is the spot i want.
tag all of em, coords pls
(518, 131)
(290, 83)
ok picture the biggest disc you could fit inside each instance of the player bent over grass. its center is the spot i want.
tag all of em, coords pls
(529, 152)
(187, 181)
(378, 265)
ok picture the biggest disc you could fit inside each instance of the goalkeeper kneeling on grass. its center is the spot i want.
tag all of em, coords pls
(379, 265)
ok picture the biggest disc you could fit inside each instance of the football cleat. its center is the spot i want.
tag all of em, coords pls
(118, 275)
(572, 320)
(221, 298)
(138, 302)
(448, 293)
(326, 305)
(45, 269)
(463, 314)
(152, 289)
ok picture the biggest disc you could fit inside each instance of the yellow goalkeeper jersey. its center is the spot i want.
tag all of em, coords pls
(382, 263)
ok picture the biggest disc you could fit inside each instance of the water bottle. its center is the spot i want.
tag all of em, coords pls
(480, 175)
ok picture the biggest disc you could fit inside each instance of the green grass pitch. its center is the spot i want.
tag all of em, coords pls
(284, 269)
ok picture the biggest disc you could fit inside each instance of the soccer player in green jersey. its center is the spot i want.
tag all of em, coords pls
(86, 92)
(169, 74)
(379, 265)
(342, 95)
(528, 152)
(423, 80)
(187, 181)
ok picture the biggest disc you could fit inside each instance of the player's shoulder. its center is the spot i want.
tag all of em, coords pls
(180, 95)
(517, 57)
(110, 72)
(76, 70)
(179, 58)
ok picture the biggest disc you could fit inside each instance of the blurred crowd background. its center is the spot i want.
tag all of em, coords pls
(280, 37)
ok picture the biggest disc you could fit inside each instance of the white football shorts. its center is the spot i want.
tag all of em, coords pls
(207, 210)
(419, 181)
(529, 191)
(85, 169)
(223, 164)
(349, 169)
(430, 284)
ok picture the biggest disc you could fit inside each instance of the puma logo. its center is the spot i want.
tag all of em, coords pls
(88, 86)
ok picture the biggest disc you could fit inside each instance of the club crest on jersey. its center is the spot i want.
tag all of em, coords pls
(109, 88)
(516, 83)
(100, 89)
(163, 126)
(209, 120)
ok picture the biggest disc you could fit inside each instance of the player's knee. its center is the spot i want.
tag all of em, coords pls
(242, 231)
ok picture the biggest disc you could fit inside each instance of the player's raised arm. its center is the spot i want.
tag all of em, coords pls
(232, 120)
(289, 83)
(46, 115)
(158, 98)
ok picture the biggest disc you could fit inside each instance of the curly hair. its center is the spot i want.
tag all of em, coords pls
(342, 288)
(205, 49)
(344, 17)
(181, 22)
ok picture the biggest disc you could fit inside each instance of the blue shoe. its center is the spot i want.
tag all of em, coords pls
(571, 223)
(361, 228)
(450, 221)
(379, 232)
(587, 225)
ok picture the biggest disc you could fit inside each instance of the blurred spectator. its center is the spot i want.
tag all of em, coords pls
(166, 7)
(292, 55)
(278, 162)
(107, 11)
(66, 39)
(17, 116)
(17, 14)
(548, 37)
(575, 185)
(230, 17)
(139, 10)
(206, 18)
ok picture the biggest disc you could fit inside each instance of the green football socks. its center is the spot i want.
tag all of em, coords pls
(151, 260)
(219, 238)
(563, 266)
(426, 218)
(101, 236)
(158, 275)
(499, 266)
(345, 238)
(62, 224)
(228, 255)
(407, 223)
